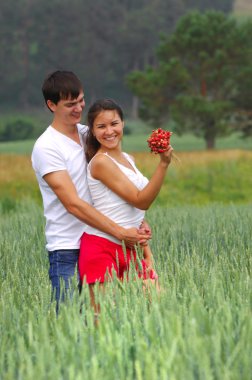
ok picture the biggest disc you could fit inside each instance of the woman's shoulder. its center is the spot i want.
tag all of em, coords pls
(129, 157)
(101, 161)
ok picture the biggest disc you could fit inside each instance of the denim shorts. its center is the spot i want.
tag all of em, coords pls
(63, 263)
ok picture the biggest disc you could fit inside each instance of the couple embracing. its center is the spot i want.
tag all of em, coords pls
(94, 196)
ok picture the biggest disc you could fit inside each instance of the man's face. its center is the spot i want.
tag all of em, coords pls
(68, 111)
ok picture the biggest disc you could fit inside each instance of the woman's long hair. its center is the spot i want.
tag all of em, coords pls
(92, 145)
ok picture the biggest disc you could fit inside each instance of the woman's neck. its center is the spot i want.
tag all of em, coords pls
(115, 153)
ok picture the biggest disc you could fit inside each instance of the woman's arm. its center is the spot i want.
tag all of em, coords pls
(147, 254)
(105, 170)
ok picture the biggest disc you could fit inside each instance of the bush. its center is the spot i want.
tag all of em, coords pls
(18, 129)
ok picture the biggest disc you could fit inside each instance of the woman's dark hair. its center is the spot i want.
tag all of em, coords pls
(92, 145)
(61, 85)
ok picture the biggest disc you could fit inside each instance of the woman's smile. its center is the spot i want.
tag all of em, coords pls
(108, 129)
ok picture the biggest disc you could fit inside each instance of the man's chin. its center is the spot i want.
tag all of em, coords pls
(76, 120)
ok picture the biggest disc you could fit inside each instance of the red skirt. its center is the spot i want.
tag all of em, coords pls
(100, 259)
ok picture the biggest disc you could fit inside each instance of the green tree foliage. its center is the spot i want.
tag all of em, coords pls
(19, 129)
(99, 40)
(201, 78)
(203, 5)
(157, 88)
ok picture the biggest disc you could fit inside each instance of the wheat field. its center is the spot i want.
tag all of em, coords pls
(199, 327)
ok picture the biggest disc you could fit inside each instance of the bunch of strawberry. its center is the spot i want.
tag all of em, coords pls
(159, 140)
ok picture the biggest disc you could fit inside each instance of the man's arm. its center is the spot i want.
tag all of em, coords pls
(62, 185)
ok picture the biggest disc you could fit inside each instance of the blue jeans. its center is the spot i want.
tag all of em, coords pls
(61, 271)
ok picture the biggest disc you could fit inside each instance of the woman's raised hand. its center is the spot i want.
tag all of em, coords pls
(166, 156)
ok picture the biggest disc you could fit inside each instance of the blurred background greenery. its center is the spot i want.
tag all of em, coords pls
(184, 65)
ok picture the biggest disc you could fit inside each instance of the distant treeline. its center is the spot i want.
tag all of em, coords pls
(101, 41)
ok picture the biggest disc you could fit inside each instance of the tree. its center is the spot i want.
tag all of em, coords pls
(243, 96)
(209, 51)
(18, 129)
(204, 5)
(157, 89)
(138, 34)
(100, 40)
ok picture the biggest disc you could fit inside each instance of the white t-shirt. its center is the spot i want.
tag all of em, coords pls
(53, 151)
(111, 205)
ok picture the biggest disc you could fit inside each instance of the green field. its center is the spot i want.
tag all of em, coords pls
(199, 178)
(199, 328)
(136, 142)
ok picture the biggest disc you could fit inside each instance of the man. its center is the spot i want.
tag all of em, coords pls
(58, 159)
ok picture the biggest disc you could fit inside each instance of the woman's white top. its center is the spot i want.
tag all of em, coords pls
(110, 204)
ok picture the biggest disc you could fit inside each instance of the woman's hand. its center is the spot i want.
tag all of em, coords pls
(149, 263)
(145, 228)
(165, 157)
(148, 259)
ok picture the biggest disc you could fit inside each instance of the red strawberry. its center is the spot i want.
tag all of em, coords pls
(159, 140)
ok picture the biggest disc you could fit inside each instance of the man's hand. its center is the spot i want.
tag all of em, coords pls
(133, 236)
(145, 230)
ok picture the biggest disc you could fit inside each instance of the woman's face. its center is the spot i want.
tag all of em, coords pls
(108, 129)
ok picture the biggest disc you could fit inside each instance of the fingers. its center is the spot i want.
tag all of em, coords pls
(149, 264)
(145, 227)
(144, 231)
(168, 150)
(143, 243)
(166, 156)
(135, 236)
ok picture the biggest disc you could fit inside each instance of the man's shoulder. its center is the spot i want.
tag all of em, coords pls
(45, 136)
(82, 128)
(45, 143)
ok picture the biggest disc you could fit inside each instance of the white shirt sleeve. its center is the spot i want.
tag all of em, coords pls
(47, 160)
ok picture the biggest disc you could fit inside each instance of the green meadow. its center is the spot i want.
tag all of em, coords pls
(136, 142)
(197, 177)
(198, 327)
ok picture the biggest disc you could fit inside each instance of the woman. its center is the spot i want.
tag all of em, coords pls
(118, 190)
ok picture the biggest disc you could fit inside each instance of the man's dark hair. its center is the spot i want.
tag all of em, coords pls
(61, 85)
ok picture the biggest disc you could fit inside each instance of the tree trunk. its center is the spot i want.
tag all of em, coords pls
(135, 100)
(203, 87)
(210, 142)
(134, 109)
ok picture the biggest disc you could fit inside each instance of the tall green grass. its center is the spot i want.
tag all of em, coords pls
(199, 328)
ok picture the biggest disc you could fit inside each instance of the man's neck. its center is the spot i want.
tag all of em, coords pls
(70, 131)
